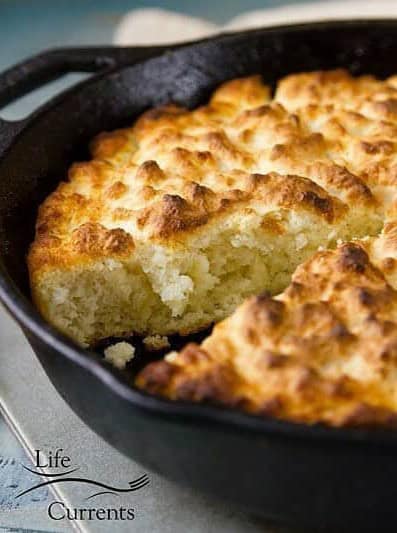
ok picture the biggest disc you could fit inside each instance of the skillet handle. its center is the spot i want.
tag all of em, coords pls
(38, 70)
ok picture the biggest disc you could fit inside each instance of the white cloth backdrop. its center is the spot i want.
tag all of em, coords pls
(156, 26)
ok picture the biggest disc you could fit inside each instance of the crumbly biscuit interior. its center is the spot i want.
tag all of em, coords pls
(178, 219)
(165, 291)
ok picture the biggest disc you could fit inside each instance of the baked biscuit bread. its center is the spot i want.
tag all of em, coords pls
(325, 350)
(178, 219)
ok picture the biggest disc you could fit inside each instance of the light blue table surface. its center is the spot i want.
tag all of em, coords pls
(27, 27)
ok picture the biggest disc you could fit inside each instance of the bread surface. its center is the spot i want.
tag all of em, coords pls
(179, 218)
(324, 349)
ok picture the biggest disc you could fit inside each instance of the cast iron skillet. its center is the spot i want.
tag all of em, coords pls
(307, 476)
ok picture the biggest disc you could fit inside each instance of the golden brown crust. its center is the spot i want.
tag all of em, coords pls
(324, 145)
(336, 87)
(177, 170)
(323, 351)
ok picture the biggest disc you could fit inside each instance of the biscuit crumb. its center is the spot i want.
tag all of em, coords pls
(180, 217)
(156, 342)
(119, 354)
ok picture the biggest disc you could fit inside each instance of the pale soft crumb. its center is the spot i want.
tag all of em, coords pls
(164, 290)
(156, 342)
(119, 354)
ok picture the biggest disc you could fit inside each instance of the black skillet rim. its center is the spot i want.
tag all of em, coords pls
(27, 316)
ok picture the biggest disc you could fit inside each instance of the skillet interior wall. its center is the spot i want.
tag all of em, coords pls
(60, 133)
